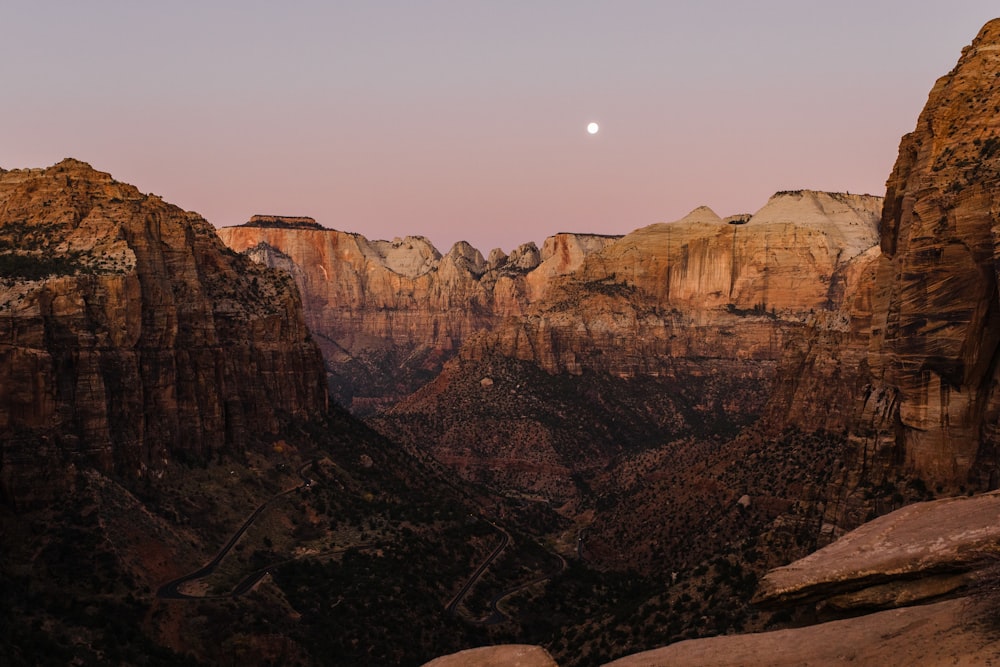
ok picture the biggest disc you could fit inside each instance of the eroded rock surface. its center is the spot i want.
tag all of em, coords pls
(130, 335)
(946, 633)
(516, 655)
(921, 551)
(689, 289)
(387, 314)
(936, 323)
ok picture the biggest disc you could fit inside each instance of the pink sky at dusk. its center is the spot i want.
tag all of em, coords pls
(466, 120)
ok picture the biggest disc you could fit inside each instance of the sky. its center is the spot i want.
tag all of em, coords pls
(465, 119)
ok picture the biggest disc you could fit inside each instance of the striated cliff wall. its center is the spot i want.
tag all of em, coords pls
(676, 330)
(665, 295)
(130, 336)
(683, 294)
(933, 396)
(906, 368)
(388, 314)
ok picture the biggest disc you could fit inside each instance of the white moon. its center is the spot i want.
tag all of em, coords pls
(592, 128)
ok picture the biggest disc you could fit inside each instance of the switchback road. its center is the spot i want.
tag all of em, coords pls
(171, 589)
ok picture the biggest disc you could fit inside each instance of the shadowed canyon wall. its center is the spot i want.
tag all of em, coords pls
(129, 335)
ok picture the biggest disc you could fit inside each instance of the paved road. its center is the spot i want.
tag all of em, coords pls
(171, 589)
(455, 601)
(499, 616)
(248, 582)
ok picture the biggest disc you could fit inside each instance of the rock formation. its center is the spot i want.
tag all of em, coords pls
(680, 327)
(936, 328)
(932, 635)
(130, 336)
(517, 655)
(908, 562)
(388, 314)
(700, 287)
(694, 289)
(919, 552)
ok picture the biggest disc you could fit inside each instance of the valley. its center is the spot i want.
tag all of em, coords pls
(280, 443)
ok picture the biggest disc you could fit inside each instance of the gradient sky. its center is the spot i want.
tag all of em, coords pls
(467, 120)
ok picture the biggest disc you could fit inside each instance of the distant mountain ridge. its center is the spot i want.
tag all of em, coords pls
(402, 309)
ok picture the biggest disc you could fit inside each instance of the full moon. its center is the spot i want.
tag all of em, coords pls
(592, 128)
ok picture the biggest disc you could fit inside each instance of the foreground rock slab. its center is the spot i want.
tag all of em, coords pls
(894, 557)
(513, 655)
(945, 633)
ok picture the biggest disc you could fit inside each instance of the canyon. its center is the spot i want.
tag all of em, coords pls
(779, 427)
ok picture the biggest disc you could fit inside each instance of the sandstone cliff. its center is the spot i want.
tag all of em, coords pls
(387, 314)
(935, 635)
(936, 323)
(907, 366)
(695, 289)
(675, 330)
(130, 336)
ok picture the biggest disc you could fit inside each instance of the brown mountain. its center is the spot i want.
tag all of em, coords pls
(937, 321)
(674, 330)
(163, 412)
(670, 292)
(387, 314)
(130, 336)
(674, 412)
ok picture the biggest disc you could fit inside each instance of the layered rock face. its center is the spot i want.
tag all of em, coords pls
(700, 288)
(919, 552)
(932, 635)
(936, 328)
(672, 292)
(677, 327)
(387, 314)
(130, 336)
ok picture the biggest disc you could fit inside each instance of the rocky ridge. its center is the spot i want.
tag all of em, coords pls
(388, 313)
(130, 336)
(402, 308)
(698, 288)
(915, 554)
(699, 313)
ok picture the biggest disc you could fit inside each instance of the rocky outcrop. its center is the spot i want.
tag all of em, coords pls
(921, 551)
(936, 634)
(936, 327)
(901, 572)
(517, 655)
(694, 290)
(698, 287)
(783, 258)
(130, 336)
(680, 327)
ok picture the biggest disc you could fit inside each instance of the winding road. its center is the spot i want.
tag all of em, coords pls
(171, 589)
(457, 600)
(496, 615)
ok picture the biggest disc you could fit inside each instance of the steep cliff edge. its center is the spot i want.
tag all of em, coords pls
(130, 336)
(387, 314)
(936, 325)
(695, 289)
